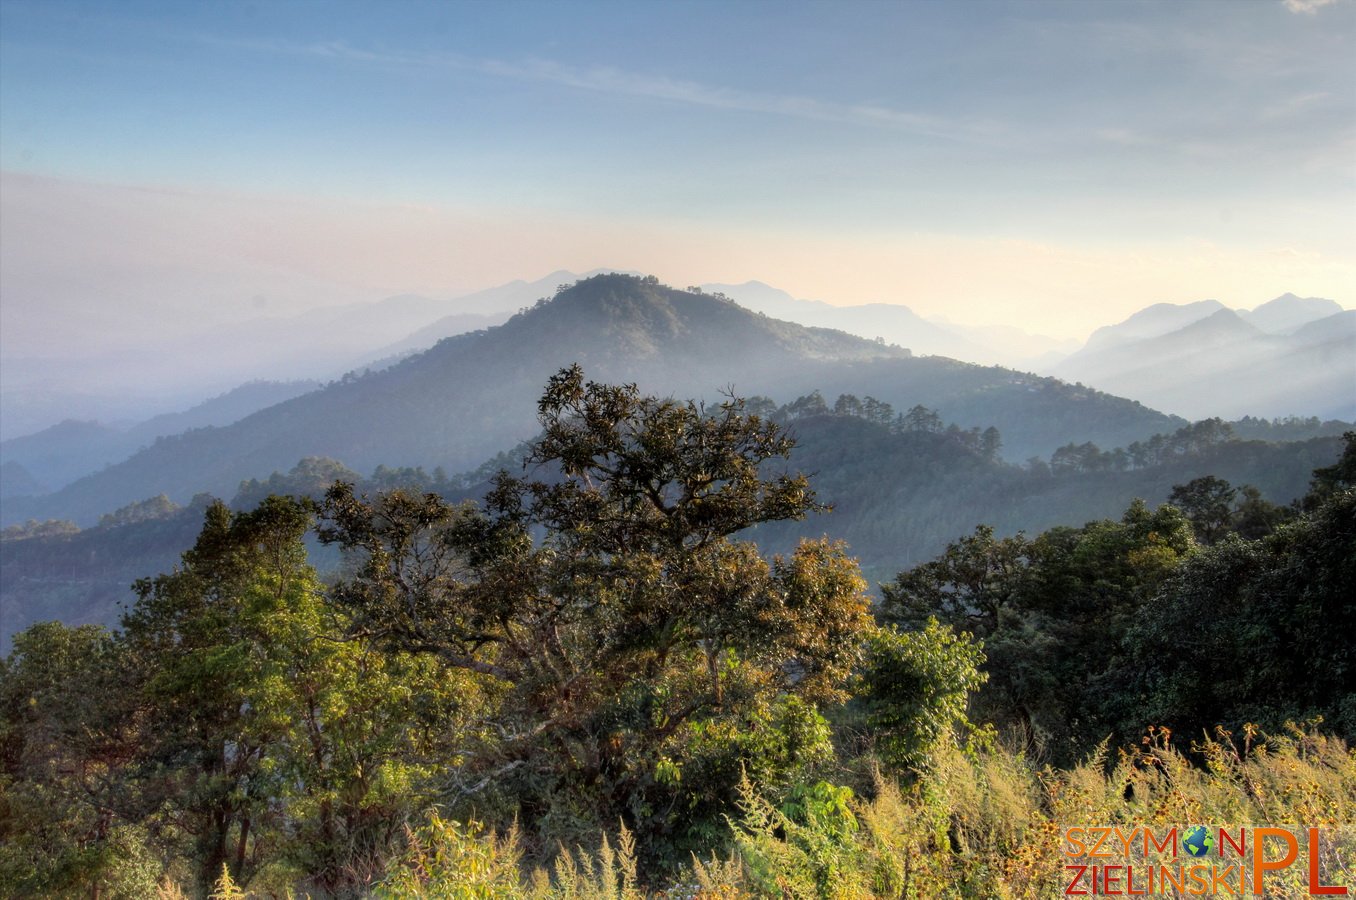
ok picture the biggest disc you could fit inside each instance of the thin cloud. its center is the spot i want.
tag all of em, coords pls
(1307, 7)
(617, 82)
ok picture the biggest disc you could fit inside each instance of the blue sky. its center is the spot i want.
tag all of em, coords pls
(1056, 165)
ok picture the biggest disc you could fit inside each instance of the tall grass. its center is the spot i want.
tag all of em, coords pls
(978, 823)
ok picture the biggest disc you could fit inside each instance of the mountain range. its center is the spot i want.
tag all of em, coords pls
(897, 324)
(1291, 365)
(56, 456)
(472, 395)
(1290, 355)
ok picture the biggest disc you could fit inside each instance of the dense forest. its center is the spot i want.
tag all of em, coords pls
(896, 485)
(613, 667)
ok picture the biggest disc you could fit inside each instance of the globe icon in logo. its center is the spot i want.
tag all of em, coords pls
(1197, 841)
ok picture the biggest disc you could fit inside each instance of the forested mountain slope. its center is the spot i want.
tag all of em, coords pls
(901, 488)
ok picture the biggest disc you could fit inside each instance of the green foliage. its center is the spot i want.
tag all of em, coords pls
(272, 738)
(1339, 476)
(310, 477)
(596, 653)
(1208, 502)
(201, 636)
(1244, 631)
(916, 687)
(67, 730)
(974, 826)
(971, 584)
(634, 633)
(805, 849)
(1038, 605)
(448, 860)
(52, 528)
(158, 507)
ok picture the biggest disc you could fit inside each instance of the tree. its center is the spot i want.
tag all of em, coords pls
(991, 443)
(606, 602)
(1256, 517)
(968, 586)
(200, 634)
(920, 418)
(1337, 477)
(266, 729)
(812, 404)
(877, 411)
(159, 507)
(69, 730)
(916, 687)
(847, 405)
(1208, 503)
(1252, 631)
(1039, 605)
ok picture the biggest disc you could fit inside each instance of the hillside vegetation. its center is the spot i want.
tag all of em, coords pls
(592, 684)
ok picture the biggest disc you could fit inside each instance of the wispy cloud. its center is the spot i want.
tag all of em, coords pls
(1307, 7)
(618, 82)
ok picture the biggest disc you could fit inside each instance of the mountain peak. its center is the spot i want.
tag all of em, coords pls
(1221, 325)
(1152, 321)
(639, 316)
(1289, 312)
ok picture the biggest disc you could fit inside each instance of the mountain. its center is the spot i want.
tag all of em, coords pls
(1287, 313)
(898, 497)
(895, 324)
(1224, 363)
(64, 452)
(16, 481)
(1336, 329)
(1152, 321)
(127, 383)
(516, 294)
(223, 409)
(120, 384)
(427, 336)
(474, 394)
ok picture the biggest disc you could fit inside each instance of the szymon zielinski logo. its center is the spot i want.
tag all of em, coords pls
(1207, 860)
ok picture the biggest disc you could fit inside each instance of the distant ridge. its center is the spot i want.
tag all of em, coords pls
(473, 395)
(58, 455)
(1288, 312)
(1289, 356)
(1152, 321)
(893, 323)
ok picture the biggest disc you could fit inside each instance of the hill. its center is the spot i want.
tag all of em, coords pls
(474, 394)
(64, 452)
(899, 495)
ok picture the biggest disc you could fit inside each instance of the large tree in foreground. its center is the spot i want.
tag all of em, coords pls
(639, 652)
(267, 739)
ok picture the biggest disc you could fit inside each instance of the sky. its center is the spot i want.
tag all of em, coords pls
(1054, 166)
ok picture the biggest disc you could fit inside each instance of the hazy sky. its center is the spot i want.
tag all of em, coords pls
(1050, 165)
